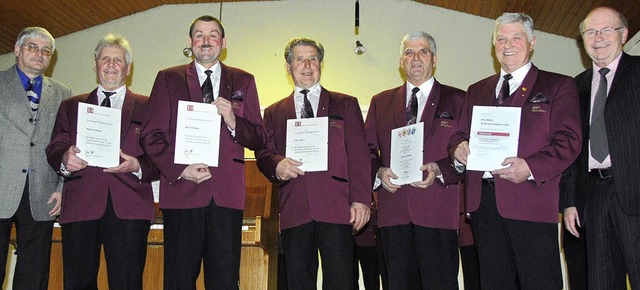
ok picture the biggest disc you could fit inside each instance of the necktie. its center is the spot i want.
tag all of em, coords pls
(207, 88)
(34, 99)
(107, 100)
(307, 110)
(411, 112)
(597, 130)
(504, 90)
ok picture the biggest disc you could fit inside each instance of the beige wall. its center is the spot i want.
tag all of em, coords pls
(258, 31)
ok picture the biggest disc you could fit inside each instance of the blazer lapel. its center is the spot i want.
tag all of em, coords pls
(195, 93)
(226, 82)
(126, 114)
(290, 108)
(323, 103)
(620, 78)
(399, 118)
(429, 111)
(521, 95)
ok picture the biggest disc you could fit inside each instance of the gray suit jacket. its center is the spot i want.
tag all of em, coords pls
(23, 143)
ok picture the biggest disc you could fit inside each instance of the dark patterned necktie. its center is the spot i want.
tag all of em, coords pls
(597, 130)
(504, 90)
(411, 112)
(107, 100)
(207, 88)
(34, 99)
(307, 110)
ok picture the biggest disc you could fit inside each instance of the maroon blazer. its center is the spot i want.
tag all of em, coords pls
(550, 140)
(84, 196)
(320, 196)
(436, 206)
(227, 185)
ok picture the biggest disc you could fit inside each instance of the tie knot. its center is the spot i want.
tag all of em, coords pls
(30, 84)
(108, 94)
(415, 90)
(208, 72)
(304, 92)
(604, 71)
(507, 77)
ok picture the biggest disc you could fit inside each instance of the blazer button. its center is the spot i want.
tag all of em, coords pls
(32, 144)
(24, 171)
(30, 120)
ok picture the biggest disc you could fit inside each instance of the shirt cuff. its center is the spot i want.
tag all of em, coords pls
(458, 167)
(63, 170)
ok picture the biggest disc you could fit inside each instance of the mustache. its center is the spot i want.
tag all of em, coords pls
(206, 46)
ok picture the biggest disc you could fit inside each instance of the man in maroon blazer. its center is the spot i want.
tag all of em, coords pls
(318, 210)
(113, 207)
(202, 206)
(514, 210)
(418, 222)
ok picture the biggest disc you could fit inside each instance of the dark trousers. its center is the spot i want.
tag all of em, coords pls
(514, 254)
(301, 245)
(470, 267)
(125, 251)
(367, 258)
(420, 257)
(33, 243)
(575, 254)
(613, 239)
(210, 235)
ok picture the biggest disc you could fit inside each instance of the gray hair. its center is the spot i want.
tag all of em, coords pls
(33, 32)
(302, 41)
(418, 35)
(114, 40)
(507, 18)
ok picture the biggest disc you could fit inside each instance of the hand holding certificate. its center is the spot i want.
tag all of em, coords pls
(308, 142)
(98, 135)
(406, 153)
(197, 134)
(494, 136)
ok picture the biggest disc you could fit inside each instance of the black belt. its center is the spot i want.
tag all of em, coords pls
(604, 173)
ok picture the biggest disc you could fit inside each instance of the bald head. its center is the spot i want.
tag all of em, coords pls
(604, 32)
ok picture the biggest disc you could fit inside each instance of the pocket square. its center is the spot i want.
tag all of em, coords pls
(237, 96)
(539, 99)
(445, 115)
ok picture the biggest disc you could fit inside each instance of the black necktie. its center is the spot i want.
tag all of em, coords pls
(597, 130)
(411, 112)
(504, 90)
(34, 99)
(307, 110)
(207, 88)
(107, 100)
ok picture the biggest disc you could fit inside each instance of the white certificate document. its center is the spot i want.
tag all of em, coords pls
(98, 136)
(406, 153)
(197, 134)
(308, 142)
(494, 136)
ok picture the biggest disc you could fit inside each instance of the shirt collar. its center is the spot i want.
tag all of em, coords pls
(519, 74)
(216, 69)
(612, 66)
(425, 88)
(25, 81)
(313, 91)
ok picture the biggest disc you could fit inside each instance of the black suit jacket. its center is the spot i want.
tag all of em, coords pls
(622, 120)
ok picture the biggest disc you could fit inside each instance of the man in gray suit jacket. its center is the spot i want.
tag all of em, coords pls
(31, 191)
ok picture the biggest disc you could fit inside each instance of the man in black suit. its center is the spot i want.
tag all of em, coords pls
(606, 198)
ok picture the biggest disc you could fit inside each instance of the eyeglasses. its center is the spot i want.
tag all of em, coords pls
(607, 31)
(31, 47)
(422, 52)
